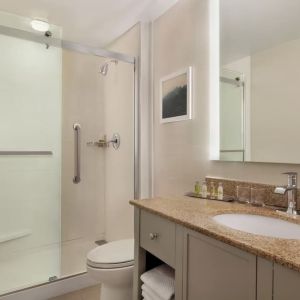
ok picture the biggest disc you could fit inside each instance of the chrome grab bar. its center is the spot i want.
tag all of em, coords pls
(228, 151)
(76, 128)
(23, 152)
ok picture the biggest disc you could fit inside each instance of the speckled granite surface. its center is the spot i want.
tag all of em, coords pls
(270, 199)
(197, 214)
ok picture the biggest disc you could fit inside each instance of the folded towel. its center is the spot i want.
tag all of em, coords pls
(148, 296)
(153, 294)
(161, 280)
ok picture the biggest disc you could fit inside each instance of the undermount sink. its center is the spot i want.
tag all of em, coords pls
(260, 225)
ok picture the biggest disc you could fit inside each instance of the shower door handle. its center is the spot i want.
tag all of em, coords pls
(76, 128)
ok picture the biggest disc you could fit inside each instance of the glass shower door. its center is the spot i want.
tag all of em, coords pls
(48, 222)
(30, 163)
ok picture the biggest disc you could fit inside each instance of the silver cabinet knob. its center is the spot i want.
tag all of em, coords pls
(153, 236)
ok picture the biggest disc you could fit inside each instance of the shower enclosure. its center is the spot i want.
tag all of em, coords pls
(62, 183)
(232, 116)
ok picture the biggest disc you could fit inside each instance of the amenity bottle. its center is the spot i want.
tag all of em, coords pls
(220, 191)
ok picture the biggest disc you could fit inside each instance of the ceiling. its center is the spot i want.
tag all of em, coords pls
(90, 22)
(250, 26)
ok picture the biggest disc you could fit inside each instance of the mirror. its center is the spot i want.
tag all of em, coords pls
(259, 100)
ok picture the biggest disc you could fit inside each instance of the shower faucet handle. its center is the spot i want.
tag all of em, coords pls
(104, 143)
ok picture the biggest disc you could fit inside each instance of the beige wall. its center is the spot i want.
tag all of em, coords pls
(181, 150)
(275, 103)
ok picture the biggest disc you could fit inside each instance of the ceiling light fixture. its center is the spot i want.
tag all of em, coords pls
(40, 25)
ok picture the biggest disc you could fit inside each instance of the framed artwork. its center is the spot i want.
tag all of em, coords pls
(176, 96)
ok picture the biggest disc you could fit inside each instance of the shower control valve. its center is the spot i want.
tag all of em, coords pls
(104, 143)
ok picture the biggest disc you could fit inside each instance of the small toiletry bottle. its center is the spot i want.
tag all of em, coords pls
(197, 189)
(204, 190)
(212, 191)
(220, 191)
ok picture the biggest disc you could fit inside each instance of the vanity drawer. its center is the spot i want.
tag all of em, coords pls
(157, 235)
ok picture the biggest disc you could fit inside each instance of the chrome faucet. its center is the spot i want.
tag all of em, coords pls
(291, 190)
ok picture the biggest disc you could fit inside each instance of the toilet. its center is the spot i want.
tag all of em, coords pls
(111, 265)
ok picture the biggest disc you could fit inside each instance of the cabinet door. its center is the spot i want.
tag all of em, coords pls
(286, 283)
(264, 279)
(216, 271)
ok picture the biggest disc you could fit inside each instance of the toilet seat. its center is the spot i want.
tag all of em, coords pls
(117, 254)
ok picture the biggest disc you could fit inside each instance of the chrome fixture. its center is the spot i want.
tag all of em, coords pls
(153, 236)
(104, 143)
(237, 81)
(48, 34)
(53, 278)
(104, 68)
(21, 152)
(291, 190)
(76, 128)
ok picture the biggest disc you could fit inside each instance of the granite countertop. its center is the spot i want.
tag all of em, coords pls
(197, 214)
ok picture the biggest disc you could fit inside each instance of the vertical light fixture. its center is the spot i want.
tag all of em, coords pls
(214, 79)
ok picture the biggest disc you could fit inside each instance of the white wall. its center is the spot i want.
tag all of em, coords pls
(181, 38)
(30, 119)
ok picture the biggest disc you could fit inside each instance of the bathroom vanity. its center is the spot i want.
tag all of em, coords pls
(211, 261)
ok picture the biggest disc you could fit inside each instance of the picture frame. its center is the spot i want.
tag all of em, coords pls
(176, 96)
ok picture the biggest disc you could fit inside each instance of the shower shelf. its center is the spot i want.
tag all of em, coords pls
(14, 236)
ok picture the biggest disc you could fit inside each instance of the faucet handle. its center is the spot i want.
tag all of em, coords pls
(292, 178)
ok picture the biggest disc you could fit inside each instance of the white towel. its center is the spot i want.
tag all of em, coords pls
(148, 296)
(161, 280)
(151, 293)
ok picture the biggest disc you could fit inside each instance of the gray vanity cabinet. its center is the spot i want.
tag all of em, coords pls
(205, 268)
(286, 284)
(275, 282)
(208, 270)
(264, 279)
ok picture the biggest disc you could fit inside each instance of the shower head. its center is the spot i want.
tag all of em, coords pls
(104, 68)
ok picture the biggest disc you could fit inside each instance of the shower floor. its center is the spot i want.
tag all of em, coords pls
(34, 266)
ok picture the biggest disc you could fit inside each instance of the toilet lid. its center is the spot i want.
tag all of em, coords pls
(115, 254)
